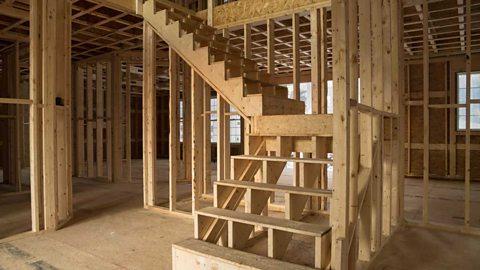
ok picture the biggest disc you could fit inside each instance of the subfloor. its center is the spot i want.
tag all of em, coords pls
(413, 248)
(111, 230)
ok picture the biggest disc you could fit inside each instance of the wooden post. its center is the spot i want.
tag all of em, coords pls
(270, 46)
(36, 136)
(149, 115)
(207, 144)
(296, 55)
(117, 168)
(197, 139)
(341, 131)
(80, 94)
(221, 104)
(128, 125)
(187, 121)
(50, 85)
(377, 102)
(247, 40)
(90, 124)
(426, 101)
(100, 117)
(108, 114)
(366, 136)
(173, 135)
(468, 74)
(210, 7)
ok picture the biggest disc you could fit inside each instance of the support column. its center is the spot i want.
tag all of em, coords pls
(149, 115)
(174, 130)
(197, 139)
(341, 131)
(50, 87)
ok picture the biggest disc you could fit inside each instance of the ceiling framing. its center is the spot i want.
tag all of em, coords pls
(98, 29)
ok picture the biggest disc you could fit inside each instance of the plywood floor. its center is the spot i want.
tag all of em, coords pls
(111, 230)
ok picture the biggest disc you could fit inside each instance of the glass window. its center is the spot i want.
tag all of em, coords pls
(462, 98)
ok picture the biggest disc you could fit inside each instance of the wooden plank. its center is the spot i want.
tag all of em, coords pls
(276, 188)
(109, 139)
(468, 68)
(293, 125)
(117, 168)
(35, 127)
(90, 123)
(318, 29)
(221, 137)
(271, 46)
(149, 116)
(377, 103)
(207, 141)
(173, 135)
(426, 114)
(17, 101)
(100, 118)
(247, 41)
(265, 221)
(284, 159)
(187, 120)
(197, 139)
(296, 55)
(366, 136)
(341, 130)
(128, 124)
(80, 112)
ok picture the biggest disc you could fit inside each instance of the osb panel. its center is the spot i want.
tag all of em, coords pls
(437, 162)
(416, 124)
(246, 10)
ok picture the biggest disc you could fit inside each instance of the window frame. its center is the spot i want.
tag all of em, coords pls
(458, 129)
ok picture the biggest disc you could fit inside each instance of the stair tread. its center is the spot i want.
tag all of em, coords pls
(266, 221)
(233, 256)
(285, 159)
(276, 188)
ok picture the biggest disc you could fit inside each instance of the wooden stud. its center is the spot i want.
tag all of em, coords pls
(117, 168)
(128, 124)
(149, 116)
(173, 135)
(366, 137)
(426, 122)
(247, 40)
(197, 139)
(468, 63)
(80, 110)
(207, 144)
(100, 116)
(270, 46)
(109, 143)
(296, 55)
(90, 124)
(341, 131)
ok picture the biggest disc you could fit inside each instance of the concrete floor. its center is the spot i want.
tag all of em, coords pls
(111, 230)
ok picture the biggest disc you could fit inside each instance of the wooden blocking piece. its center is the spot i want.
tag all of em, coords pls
(201, 226)
(256, 200)
(236, 234)
(323, 250)
(278, 243)
(294, 205)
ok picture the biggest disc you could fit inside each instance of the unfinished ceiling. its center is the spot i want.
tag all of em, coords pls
(98, 29)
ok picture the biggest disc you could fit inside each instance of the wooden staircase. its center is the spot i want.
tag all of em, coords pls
(221, 65)
(254, 176)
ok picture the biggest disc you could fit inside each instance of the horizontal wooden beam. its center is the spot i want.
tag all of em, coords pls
(250, 11)
(14, 12)
(293, 125)
(16, 101)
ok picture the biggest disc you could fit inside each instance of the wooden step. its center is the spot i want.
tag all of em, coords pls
(275, 188)
(285, 159)
(285, 225)
(188, 253)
